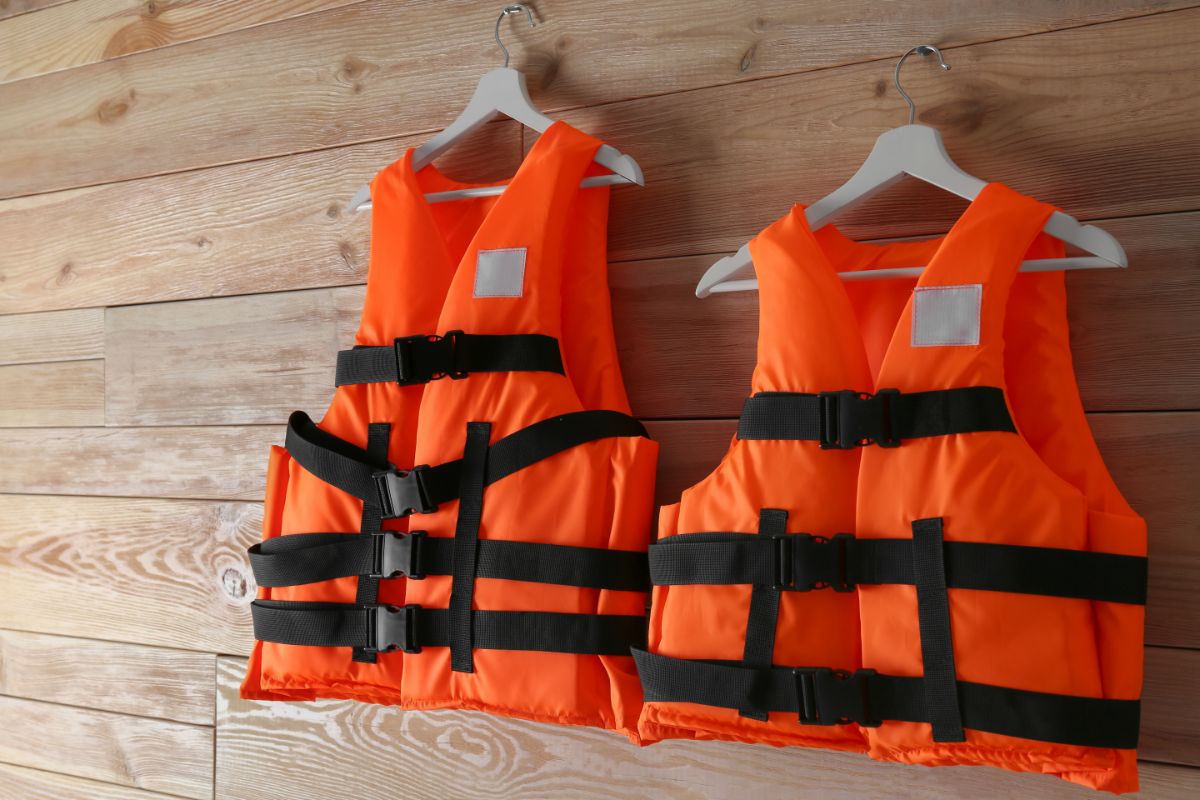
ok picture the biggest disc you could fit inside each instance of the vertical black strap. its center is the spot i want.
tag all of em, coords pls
(937, 644)
(378, 437)
(466, 544)
(764, 614)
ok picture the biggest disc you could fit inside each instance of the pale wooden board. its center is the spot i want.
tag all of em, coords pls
(153, 754)
(23, 783)
(206, 462)
(713, 179)
(61, 393)
(336, 77)
(171, 573)
(14, 8)
(275, 224)
(52, 336)
(88, 31)
(252, 359)
(126, 678)
(267, 751)
(1151, 457)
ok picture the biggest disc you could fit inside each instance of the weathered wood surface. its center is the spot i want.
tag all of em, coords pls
(87, 31)
(712, 180)
(36, 784)
(267, 751)
(252, 359)
(153, 754)
(171, 573)
(320, 81)
(53, 336)
(61, 393)
(129, 679)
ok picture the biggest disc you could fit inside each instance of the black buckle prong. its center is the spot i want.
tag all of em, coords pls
(828, 696)
(850, 419)
(424, 358)
(397, 554)
(804, 562)
(402, 492)
(394, 628)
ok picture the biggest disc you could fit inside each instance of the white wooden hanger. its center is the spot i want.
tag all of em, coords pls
(503, 91)
(919, 151)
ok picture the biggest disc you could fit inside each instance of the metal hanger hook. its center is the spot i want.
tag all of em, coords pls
(515, 8)
(921, 50)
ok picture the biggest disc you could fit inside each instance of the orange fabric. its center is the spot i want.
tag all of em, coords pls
(600, 494)
(1046, 487)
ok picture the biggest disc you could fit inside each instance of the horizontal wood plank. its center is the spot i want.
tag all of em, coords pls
(713, 181)
(88, 31)
(52, 336)
(14, 8)
(208, 462)
(153, 754)
(322, 79)
(62, 393)
(36, 784)
(126, 678)
(252, 359)
(274, 224)
(1171, 706)
(171, 573)
(267, 751)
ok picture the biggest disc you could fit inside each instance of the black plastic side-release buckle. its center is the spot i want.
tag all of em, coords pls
(424, 358)
(397, 554)
(834, 696)
(804, 562)
(852, 419)
(394, 628)
(402, 492)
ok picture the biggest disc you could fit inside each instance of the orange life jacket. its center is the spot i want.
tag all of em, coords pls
(912, 547)
(467, 526)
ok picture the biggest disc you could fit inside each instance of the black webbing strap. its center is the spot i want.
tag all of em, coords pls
(764, 610)
(378, 438)
(466, 544)
(420, 359)
(937, 641)
(846, 419)
(822, 696)
(410, 628)
(302, 558)
(423, 488)
(800, 562)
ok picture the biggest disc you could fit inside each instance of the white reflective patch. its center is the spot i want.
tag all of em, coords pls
(946, 315)
(500, 273)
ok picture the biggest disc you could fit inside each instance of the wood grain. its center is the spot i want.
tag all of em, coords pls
(62, 393)
(36, 784)
(334, 78)
(1147, 454)
(87, 31)
(171, 573)
(267, 751)
(275, 224)
(53, 336)
(1171, 706)
(202, 463)
(13, 8)
(252, 359)
(129, 679)
(152, 754)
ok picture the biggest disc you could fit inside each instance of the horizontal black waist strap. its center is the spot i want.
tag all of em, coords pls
(310, 557)
(822, 696)
(420, 359)
(409, 628)
(848, 419)
(802, 562)
(421, 489)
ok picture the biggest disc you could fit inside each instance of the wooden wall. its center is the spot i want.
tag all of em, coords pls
(176, 274)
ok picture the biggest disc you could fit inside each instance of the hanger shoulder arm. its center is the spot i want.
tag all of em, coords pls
(723, 270)
(1088, 238)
